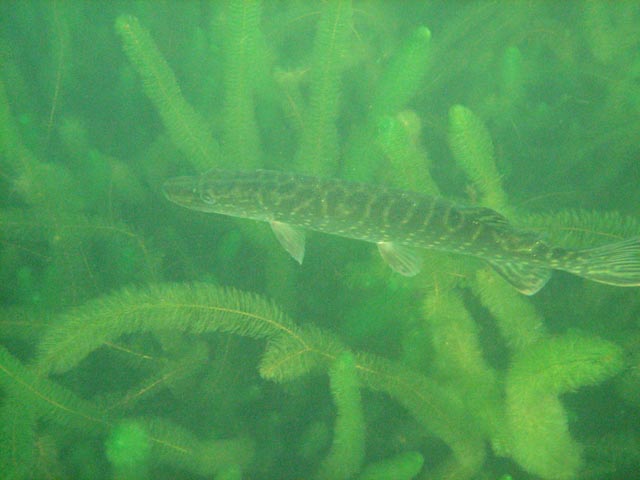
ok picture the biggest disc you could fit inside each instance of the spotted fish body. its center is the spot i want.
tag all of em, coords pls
(398, 221)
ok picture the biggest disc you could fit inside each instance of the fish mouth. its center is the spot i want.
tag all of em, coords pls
(182, 191)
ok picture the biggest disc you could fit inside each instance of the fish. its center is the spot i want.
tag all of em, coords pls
(400, 223)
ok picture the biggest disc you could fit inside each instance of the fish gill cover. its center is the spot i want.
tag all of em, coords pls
(140, 340)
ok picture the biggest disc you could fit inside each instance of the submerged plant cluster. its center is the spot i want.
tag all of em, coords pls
(140, 340)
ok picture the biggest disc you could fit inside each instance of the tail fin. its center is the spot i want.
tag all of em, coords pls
(613, 264)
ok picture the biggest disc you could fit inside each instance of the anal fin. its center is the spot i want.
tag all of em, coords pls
(526, 278)
(405, 260)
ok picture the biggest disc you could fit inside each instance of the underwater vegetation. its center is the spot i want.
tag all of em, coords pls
(139, 340)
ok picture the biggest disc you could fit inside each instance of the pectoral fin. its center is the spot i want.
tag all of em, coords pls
(291, 238)
(526, 278)
(405, 260)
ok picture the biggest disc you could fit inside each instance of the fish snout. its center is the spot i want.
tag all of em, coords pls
(182, 190)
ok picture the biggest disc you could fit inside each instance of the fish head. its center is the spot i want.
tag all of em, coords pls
(183, 191)
(219, 191)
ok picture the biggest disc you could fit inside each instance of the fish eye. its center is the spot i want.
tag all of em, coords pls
(539, 248)
(206, 197)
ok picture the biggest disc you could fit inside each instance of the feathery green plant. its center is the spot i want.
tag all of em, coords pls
(192, 309)
(242, 61)
(128, 449)
(536, 421)
(401, 467)
(472, 147)
(380, 134)
(318, 149)
(29, 398)
(404, 74)
(47, 398)
(347, 449)
(18, 421)
(516, 317)
(77, 222)
(184, 125)
(398, 138)
(177, 447)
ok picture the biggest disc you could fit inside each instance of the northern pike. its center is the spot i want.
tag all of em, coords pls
(398, 222)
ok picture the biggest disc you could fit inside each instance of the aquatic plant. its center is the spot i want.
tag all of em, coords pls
(131, 344)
